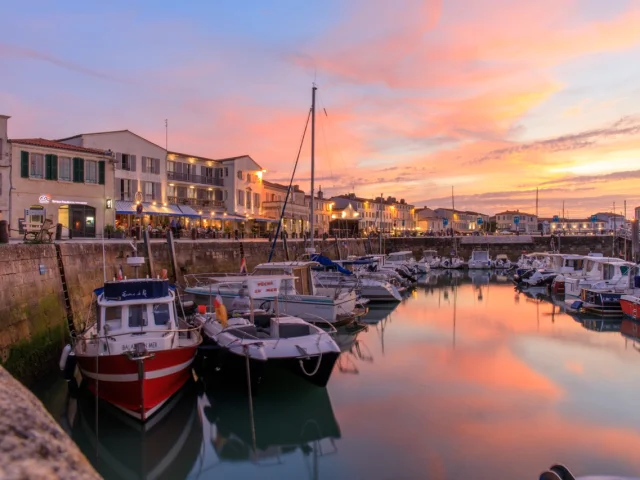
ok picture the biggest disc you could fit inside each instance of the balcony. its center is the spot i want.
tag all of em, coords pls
(196, 202)
(192, 178)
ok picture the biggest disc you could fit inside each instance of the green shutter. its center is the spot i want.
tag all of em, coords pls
(78, 170)
(47, 166)
(54, 167)
(24, 164)
(101, 172)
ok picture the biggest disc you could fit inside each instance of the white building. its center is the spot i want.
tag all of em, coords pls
(527, 223)
(611, 221)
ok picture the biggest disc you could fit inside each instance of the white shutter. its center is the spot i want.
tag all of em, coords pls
(118, 164)
(132, 161)
(143, 167)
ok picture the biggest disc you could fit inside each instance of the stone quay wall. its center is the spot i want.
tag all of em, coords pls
(33, 313)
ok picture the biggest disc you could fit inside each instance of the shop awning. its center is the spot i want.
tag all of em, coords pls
(265, 220)
(129, 208)
(187, 211)
(125, 208)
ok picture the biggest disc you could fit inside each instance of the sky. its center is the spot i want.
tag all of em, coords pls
(494, 98)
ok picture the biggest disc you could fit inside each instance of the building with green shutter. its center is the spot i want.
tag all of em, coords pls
(51, 180)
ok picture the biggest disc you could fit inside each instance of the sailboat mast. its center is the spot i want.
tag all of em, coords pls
(453, 213)
(313, 162)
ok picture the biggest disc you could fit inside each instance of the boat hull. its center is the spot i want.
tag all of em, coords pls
(232, 368)
(630, 306)
(138, 387)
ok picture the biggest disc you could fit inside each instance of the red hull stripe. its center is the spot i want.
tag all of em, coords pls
(126, 395)
(120, 364)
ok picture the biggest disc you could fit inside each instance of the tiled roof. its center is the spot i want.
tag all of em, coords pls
(111, 131)
(41, 142)
(515, 212)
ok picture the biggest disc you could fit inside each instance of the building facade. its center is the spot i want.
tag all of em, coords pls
(612, 221)
(295, 220)
(5, 168)
(573, 226)
(464, 221)
(390, 216)
(322, 210)
(527, 223)
(428, 221)
(62, 183)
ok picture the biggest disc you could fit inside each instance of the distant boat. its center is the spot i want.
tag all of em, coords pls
(560, 472)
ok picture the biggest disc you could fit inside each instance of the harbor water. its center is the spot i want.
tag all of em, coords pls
(467, 378)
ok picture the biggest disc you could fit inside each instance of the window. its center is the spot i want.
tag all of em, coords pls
(239, 174)
(148, 191)
(91, 171)
(241, 198)
(64, 169)
(208, 172)
(161, 314)
(150, 165)
(126, 190)
(256, 200)
(137, 316)
(171, 166)
(248, 198)
(128, 161)
(36, 165)
(226, 171)
(113, 317)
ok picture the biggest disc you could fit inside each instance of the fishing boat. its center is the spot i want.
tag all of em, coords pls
(501, 262)
(298, 296)
(333, 275)
(252, 342)
(138, 353)
(479, 259)
(431, 258)
(610, 272)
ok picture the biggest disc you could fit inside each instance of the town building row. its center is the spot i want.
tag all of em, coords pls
(117, 180)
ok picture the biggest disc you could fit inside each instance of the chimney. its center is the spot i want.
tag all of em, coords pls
(4, 148)
(320, 194)
(296, 188)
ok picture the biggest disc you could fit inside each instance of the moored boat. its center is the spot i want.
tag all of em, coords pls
(138, 353)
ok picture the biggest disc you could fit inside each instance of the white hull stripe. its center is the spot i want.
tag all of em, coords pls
(133, 377)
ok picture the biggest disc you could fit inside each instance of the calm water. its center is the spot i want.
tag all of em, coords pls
(466, 379)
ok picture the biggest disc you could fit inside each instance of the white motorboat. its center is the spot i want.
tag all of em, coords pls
(431, 258)
(402, 259)
(452, 262)
(298, 296)
(253, 341)
(611, 272)
(479, 259)
(501, 262)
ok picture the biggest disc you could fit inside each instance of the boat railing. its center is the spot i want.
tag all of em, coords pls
(94, 338)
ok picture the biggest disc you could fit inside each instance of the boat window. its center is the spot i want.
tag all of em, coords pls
(113, 317)
(161, 313)
(624, 269)
(137, 316)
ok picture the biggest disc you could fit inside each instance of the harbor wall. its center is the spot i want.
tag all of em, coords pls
(32, 444)
(33, 313)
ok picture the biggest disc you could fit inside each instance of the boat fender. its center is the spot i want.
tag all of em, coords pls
(70, 368)
(63, 356)
(221, 314)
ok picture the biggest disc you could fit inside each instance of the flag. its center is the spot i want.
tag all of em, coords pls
(243, 265)
(120, 274)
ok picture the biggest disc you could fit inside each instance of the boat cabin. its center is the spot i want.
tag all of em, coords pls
(402, 257)
(134, 306)
(480, 255)
(302, 284)
(429, 254)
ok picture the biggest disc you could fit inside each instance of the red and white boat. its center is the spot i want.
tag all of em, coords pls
(630, 305)
(138, 353)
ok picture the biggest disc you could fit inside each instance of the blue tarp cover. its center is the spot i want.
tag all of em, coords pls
(327, 262)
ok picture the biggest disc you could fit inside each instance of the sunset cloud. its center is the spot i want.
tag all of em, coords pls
(494, 97)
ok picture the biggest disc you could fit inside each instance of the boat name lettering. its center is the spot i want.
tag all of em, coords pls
(128, 347)
(139, 294)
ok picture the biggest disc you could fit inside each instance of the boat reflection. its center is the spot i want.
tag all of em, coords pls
(352, 349)
(119, 447)
(280, 421)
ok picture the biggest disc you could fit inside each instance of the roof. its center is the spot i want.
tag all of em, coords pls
(515, 212)
(461, 211)
(41, 142)
(111, 131)
(266, 183)
(192, 156)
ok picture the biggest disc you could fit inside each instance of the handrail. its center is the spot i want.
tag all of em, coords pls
(77, 335)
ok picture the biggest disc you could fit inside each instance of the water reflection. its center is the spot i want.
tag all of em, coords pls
(292, 417)
(466, 378)
(120, 447)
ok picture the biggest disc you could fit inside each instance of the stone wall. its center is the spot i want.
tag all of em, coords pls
(32, 444)
(33, 325)
(32, 315)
